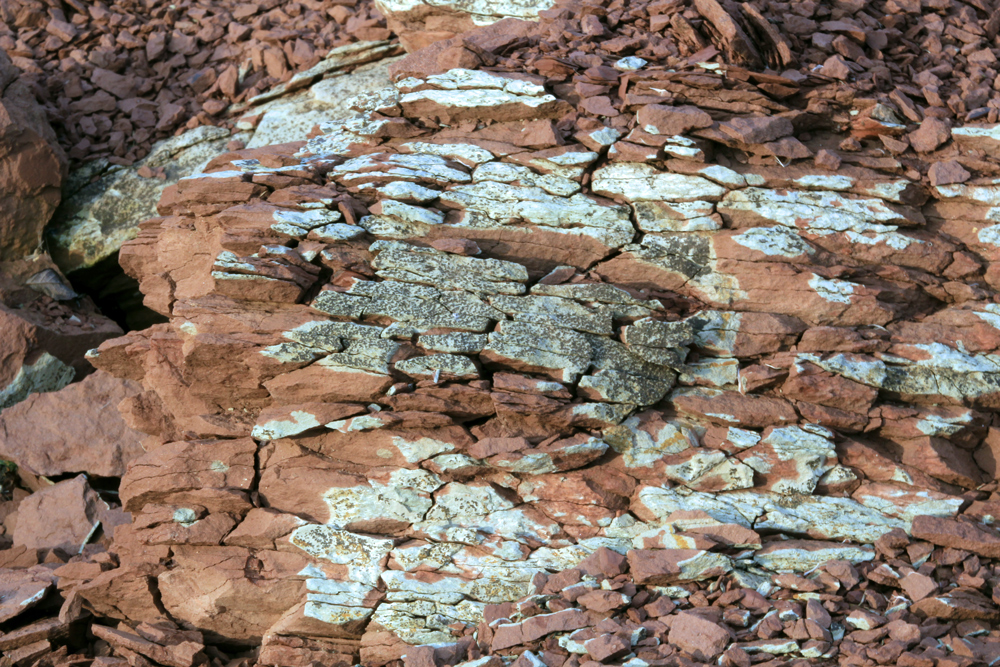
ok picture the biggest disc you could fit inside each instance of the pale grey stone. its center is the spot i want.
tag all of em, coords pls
(467, 154)
(804, 560)
(641, 182)
(564, 354)
(416, 167)
(439, 366)
(46, 374)
(489, 204)
(555, 311)
(658, 333)
(366, 354)
(330, 336)
(457, 342)
(642, 449)
(334, 64)
(413, 308)
(338, 231)
(865, 221)
(94, 221)
(504, 172)
(408, 192)
(291, 118)
(447, 271)
(710, 372)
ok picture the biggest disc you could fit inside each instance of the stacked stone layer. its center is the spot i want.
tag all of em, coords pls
(454, 359)
(502, 364)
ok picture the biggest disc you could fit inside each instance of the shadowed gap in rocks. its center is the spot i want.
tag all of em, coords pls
(115, 293)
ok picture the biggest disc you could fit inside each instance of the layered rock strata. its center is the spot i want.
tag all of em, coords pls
(423, 360)
(601, 352)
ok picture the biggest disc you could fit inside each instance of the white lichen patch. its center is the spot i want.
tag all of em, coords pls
(804, 560)
(377, 502)
(503, 172)
(364, 556)
(46, 374)
(642, 444)
(715, 331)
(641, 182)
(866, 221)
(420, 449)
(865, 370)
(833, 289)
(465, 153)
(774, 242)
(298, 421)
(833, 182)
(489, 204)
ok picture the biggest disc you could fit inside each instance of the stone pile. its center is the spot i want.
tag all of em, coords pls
(559, 351)
(114, 78)
(936, 58)
(905, 602)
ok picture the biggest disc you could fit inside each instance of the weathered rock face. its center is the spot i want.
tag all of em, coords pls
(410, 367)
(78, 429)
(98, 217)
(420, 24)
(510, 357)
(45, 342)
(32, 167)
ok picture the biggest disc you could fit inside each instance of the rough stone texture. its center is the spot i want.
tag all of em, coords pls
(97, 217)
(32, 166)
(419, 24)
(63, 516)
(77, 429)
(494, 367)
(447, 396)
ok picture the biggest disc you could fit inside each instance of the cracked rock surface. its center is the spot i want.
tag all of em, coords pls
(589, 360)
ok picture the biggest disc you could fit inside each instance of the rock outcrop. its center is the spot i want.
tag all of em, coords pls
(101, 213)
(467, 354)
(565, 349)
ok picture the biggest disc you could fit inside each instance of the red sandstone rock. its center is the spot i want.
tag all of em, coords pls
(607, 647)
(699, 637)
(669, 120)
(665, 566)
(214, 474)
(972, 537)
(536, 627)
(77, 429)
(958, 605)
(932, 133)
(31, 163)
(945, 173)
(455, 474)
(64, 516)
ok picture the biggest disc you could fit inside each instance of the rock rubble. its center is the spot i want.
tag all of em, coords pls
(115, 78)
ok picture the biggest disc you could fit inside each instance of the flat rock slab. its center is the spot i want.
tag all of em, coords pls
(76, 429)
